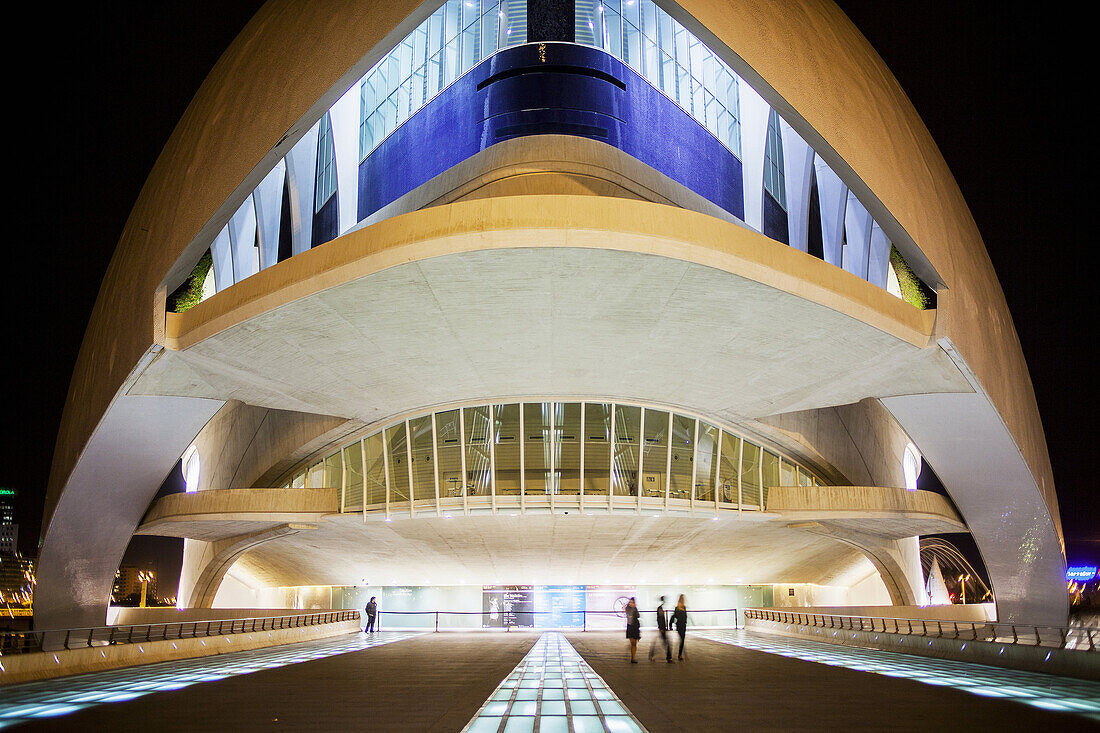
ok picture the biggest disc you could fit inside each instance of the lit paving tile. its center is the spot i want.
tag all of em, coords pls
(553, 690)
(1064, 694)
(53, 698)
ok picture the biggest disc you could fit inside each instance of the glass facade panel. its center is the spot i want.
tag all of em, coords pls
(750, 475)
(334, 471)
(597, 447)
(420, 430)
(448, 443)
(770, 469)
(627, 454)
(399, 463)
(624, 475)
(683, 457)
(326, 165)
(788, 473)
(536, 447)
(773, 162)
(374, 475)
(706, 454)
(508, 446)
(729, 470)
(655, 453)
(315, 479)
(567, 447)
(449, 43)
(651, 42)
(478, 456)
(353, 467)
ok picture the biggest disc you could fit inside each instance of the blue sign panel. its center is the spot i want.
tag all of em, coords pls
(1081, 572)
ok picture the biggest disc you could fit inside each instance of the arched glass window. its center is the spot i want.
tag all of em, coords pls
(326, 166)
(191, 468)
(910, 466)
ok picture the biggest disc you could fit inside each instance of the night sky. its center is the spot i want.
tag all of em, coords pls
(1000, 86)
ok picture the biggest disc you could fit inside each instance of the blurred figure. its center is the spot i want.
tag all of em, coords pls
(680, 623)
(633, 628)
(662, 633)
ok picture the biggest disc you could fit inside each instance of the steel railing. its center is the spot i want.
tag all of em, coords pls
(1059, 637)
(17, 642)
(517, 619)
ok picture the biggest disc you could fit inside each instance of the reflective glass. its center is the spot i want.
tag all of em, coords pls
(655, 453)
(507, 448)
(420, 429)
(399, 463)
(374, 475)
(625, 465)
(449, 452)
(315, 479)
(536, 447)
(567, 447)
(478, 457)
(683, 457)
(353, 466)
(334, 471)
(750, 475)
(788, 473)
(729, 468)
(706, 455)
(770, 468)
(597, 447)
(299, 481)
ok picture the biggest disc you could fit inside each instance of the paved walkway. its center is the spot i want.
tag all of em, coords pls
(440, 682)
(726, 687)
(430, 682)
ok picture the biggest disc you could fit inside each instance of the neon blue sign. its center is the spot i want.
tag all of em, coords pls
(1081, 572)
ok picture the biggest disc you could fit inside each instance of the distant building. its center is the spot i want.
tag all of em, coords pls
(9, 529)
(128, 582)
(16, 581)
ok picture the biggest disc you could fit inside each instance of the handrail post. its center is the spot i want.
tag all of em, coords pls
(584, 618)
(437, 622)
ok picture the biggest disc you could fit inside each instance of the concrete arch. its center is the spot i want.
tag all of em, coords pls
(294, 62)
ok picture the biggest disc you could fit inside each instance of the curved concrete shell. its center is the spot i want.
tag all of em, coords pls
(953, 380)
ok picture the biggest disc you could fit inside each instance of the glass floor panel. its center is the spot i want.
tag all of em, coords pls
(1048, 692)
(64, 695)
(553, 690)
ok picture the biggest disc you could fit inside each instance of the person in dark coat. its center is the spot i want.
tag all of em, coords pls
(662, 633)
(680, 623)
(372, 611)
(633, 628)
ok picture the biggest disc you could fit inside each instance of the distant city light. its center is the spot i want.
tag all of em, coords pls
(1081, 572)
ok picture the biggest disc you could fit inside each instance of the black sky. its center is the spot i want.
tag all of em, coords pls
(1002, 87)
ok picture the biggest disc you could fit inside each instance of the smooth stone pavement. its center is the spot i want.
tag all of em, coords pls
(433, 682)
(725, 687)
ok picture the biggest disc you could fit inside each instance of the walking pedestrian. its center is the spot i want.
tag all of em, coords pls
(372, 611)
(633, 628)
(680, 622)
(662, 633)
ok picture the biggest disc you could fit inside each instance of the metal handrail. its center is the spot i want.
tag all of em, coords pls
(584, 614)
(20, 642)
(1075, 638)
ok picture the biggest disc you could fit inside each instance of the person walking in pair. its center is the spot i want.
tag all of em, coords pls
(680, 623)
(662, 633)
(633, 628)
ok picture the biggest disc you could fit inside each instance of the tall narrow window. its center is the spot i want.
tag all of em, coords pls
(775, 187)
(325, 203)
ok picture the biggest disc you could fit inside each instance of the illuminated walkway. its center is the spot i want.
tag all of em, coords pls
(1064, 694)
(556, 688)
(58, 697)
(530, 681)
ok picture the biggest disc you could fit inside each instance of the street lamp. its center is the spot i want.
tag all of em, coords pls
(962, 582)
